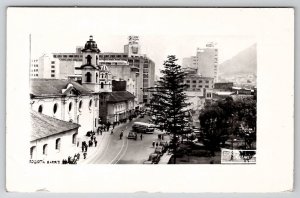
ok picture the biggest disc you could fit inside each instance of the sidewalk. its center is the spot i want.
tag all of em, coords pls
(165, 158)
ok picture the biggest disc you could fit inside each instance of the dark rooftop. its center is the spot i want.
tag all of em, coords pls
(45, 87)
(119, 96)
(44, 126)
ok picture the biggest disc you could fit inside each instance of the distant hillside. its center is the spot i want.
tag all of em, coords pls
(245, 62)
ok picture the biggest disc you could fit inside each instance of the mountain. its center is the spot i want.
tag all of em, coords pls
(245, 62)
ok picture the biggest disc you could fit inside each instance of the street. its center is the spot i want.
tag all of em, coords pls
(113, 150)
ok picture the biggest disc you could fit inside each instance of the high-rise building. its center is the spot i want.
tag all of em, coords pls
(205, 61)
(130, 65)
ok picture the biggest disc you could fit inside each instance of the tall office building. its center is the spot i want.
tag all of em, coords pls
(205, 61)
(130, 65)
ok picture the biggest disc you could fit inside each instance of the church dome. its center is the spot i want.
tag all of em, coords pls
(91, 46)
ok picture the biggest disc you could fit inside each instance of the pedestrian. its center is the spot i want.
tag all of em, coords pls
(90, 143)
(82, 146)
(121, 135)
(153, 143)
(156, 144)
(84, 155)
(100, 132)
(141, 136)
(95, 141)
(111, 132)
(78, 156)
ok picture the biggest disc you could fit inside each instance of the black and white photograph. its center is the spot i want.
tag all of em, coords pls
(154, 87)
(111, 106)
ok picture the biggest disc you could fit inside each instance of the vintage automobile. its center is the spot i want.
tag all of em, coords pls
(159, 150)
(132, 135)
(153, 159)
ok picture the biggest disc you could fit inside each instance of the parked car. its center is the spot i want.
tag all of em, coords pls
(153, 159)
(132, 135)
(159, 150)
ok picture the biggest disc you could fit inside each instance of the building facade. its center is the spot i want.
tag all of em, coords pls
(205, 61)
(116, 106)
(66, 100)
(52, 139)
(129, 65)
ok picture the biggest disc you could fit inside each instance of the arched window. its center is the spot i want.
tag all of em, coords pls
(40, 110)
(89, 59)
(55, 108)
(102, 75)
(80, 105)
(57, 144)
(45, 149)
(102, 85)
(96, 77)
(88, 77)
(70, 106)
(32, 151)
(90, 104)
(74, 138)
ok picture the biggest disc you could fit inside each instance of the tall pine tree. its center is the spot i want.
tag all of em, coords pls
(168, 104)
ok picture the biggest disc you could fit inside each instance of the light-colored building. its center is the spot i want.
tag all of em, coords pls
(116, 106)
(66, 100)
(130, 64)
(205, 61)
(52, 140)
(203, 85)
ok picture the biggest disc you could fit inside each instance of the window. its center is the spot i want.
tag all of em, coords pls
(80, 105)
(55, 108)
(96, 77)
(194, 81)
(194, 85)
(187, 81)
(52, 75)
(200, 81)
(57, 144)
(40, 110)
(52, 71)
(32, 151)
(52, 62)
(88, 77)
(146, 66)
(45, 149)
(102, 85)
(207, 81)
(206, 86)
(200, 86)
(70, 106)
(52, 66)
(90, 104)
(74, 137)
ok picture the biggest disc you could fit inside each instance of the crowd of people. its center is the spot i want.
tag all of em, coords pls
(71, 160)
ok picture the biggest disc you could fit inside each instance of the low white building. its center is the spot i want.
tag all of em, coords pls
(52, 139)
(66, 100)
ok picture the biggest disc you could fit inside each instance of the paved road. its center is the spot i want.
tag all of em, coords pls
(113, 150)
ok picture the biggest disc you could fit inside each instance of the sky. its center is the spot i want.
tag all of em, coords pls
(162, 32)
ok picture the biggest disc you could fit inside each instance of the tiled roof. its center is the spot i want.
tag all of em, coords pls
(44, 126)
(119, 96)
(44, 87)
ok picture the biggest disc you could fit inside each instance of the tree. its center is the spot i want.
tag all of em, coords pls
(228, 118)
(168, 102)
(213, 126)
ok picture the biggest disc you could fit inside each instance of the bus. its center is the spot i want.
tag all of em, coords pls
(143, 127)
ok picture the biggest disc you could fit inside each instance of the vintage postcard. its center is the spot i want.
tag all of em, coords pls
(150, 96)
